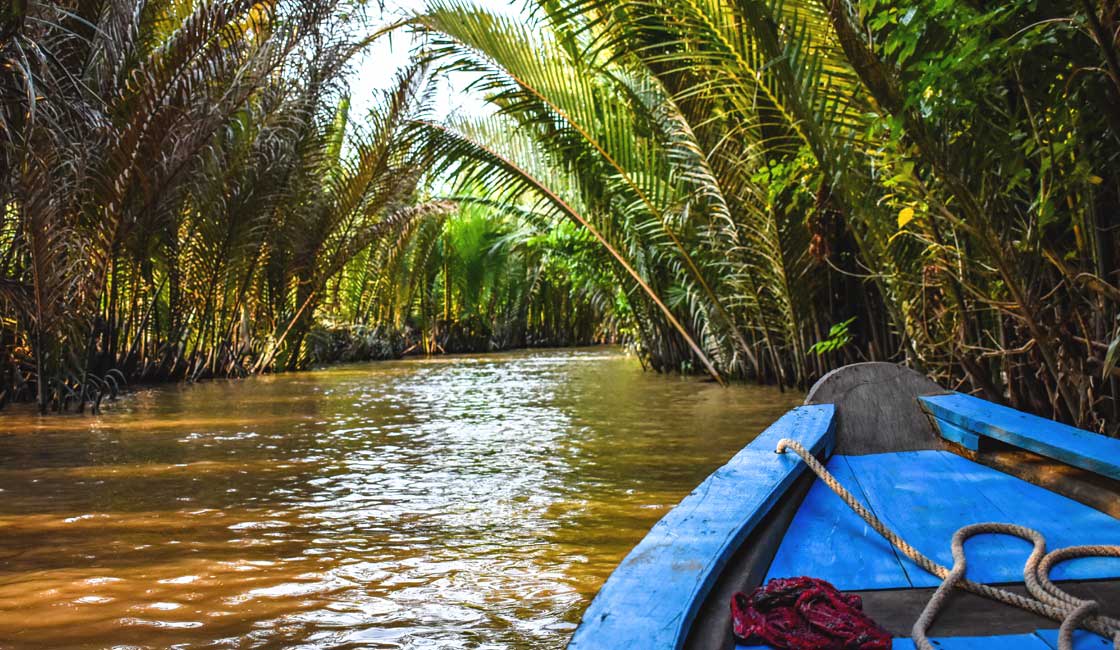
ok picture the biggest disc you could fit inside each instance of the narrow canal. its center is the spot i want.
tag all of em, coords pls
(458, 502)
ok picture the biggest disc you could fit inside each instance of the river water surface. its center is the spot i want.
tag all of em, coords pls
(455, 502)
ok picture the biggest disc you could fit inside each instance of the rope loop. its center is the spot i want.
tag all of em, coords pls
(1045, 598)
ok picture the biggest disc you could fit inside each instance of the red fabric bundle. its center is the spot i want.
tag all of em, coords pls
(805, 614)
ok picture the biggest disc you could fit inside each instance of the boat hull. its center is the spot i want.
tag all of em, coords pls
(762, 516)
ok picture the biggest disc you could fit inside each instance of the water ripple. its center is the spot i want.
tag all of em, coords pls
(456, 502)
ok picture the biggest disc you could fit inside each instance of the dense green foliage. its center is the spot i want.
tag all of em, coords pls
(185, 194)
(751, 188)
(175, 192)
(474, 279)
(804, 184)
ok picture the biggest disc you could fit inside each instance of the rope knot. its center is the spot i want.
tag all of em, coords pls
(1045, 599)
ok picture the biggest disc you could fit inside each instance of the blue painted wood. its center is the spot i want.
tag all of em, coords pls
(1048, 639)
(1005, 642)
(1067, 444)
(651, 599)
(925, 502)
(925, 496)
(1063, 521)
(1082, 640)
(1040, 640)
(953, 433)
(827, 540)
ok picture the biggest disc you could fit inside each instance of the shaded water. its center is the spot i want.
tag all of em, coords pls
(458, 502)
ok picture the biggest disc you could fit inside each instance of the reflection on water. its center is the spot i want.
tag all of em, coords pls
(459, 502)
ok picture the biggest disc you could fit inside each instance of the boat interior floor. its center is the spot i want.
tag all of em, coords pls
(925, 496)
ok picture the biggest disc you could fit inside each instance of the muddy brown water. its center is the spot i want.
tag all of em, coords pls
(456, 502)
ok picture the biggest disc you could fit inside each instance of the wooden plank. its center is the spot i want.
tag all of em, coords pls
(922, 499)
(876, 407)
(827, 540)
(966, 614)
(650, 600)
(1096, 491)
(1070, 445)
(1082, 640)
(953, 433)
(1063, 521)
(1003, 642)
(926, 496)
(711, 629)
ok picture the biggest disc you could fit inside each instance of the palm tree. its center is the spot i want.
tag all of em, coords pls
(177, 187)
(791, 179)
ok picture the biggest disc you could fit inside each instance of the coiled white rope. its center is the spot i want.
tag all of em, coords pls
(1045, 598)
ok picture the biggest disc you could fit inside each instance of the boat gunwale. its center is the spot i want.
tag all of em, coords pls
(651, 599)
(876, 396)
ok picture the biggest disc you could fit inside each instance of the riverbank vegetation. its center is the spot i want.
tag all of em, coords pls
(186, 195)
(756, 190)
(808, 184)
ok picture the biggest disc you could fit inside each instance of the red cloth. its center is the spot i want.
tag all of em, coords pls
(805, 614)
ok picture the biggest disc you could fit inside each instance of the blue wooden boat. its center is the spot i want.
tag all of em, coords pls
(923, 460)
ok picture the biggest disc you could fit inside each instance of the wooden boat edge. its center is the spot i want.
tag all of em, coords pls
(867, 400)
(650, 600)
